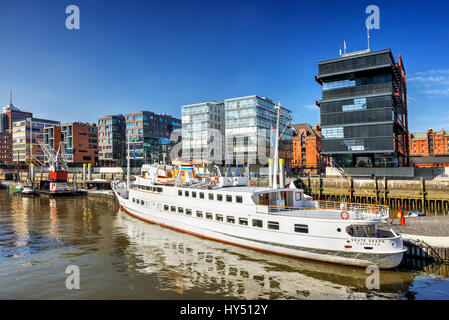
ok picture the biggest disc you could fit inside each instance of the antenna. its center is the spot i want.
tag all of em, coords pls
(344, 46)
(10, 97)
(368, 37)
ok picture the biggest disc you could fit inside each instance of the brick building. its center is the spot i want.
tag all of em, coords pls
(307, 149)
(5, 148)
(429, 149)
(80, 142)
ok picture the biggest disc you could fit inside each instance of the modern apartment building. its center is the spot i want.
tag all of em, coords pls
(149, 135)
(248, 130)
(112, 140)
(203, 128)
(364, 109)
(80, 141)
(307, 149)
(26, 136)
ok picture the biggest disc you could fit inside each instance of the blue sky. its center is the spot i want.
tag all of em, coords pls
(144, 55)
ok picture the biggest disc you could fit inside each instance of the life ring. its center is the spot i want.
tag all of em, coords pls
(213, 183)
(251, 183)
(344, 215)
(374, 209)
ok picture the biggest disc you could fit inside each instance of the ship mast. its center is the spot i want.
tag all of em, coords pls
(276, 147)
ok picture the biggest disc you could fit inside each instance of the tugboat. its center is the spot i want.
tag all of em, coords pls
(277, 220)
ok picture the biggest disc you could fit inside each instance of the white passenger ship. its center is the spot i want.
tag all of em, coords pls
(276, 220)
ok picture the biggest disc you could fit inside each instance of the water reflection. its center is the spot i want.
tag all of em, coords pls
(184, 262)
(122, 257)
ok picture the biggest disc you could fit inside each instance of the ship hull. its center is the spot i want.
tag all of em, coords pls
(357, 259)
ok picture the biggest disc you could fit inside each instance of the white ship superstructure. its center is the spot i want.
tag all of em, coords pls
(276, 220)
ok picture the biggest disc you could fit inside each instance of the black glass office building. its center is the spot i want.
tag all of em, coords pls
(363, 110)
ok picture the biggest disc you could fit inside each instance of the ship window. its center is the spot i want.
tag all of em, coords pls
(228, 198)
(134, 200)
(301, 228)
(199, 214)
(189, 212)
(273, 225)
(211, 196)
(180, 210)
(201, 195)
(219, 197)
(230, 219)
(173, 208)
(186, 193)
(209, 215)
(159, 189)
(137, 201)
(238, 199)
(142, 202)
(257, 223)
(218, 217)
(193, 194)
(180, 193)
(243, 221)
(165, 207)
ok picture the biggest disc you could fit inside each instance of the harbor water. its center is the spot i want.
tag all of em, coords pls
(120, 257)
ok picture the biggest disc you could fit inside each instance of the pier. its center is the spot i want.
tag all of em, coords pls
(431, 197)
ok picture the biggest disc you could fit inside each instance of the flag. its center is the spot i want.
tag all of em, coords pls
(399, 215)
(134, 152)
(272, 136)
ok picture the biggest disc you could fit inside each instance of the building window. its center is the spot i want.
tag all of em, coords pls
(243, 221)
(230, 219)
(257, 223)
(301, 228)
(333, 133)
(273, 225)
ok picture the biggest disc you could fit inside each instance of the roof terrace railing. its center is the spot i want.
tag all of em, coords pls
(331, 210)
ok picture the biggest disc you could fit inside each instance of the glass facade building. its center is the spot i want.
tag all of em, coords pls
(363, 110)
(149, 135)
(248, 123)
(111, 140)
(203, 127)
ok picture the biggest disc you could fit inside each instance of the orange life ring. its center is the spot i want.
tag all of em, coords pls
(344, 215)
(374, 209)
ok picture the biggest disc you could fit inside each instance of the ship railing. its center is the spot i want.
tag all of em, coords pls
(329, 209)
